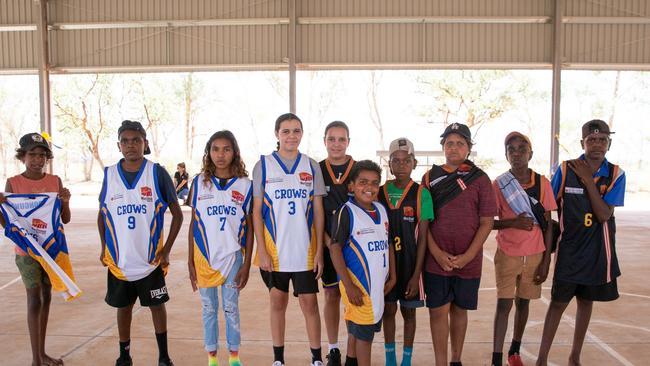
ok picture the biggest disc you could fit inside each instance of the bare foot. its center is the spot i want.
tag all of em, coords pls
(49, 361)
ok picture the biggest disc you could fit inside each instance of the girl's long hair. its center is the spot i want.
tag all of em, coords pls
(237, 166)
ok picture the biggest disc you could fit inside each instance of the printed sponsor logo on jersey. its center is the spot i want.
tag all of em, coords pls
(39, 224)
(206, 196)
(409, 211)
(118, 196)
(146, 193)
(159, 293)
(574, 190)
(238, 198)
(305, 178)
(274, 180)
(368, 230)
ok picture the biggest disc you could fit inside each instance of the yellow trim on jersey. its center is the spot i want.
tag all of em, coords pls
(362, 315)
(206, 276)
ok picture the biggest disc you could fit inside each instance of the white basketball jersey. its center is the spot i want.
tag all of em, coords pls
(288, 213)
(366, 256)
(219, 226)
(133, 220)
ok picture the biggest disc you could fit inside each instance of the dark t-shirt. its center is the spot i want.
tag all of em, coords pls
(167, 189)
(178, 177)
(336, 185)
(340, 228)
(456, 224)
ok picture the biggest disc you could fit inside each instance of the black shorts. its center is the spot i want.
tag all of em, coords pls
(303, 282)
(363, 332)
(441, 290)
(151, 290)
(330, 278)
(563, 291)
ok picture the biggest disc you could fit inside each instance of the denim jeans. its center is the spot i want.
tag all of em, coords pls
(230, 303)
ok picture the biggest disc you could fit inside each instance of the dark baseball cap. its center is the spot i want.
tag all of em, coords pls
(134, 126)
(458, 128)
(31, 140)
(595, 126)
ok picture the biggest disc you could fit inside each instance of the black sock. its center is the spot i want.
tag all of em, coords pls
(161, 338)
(350, 361)
(458, 363)
(497, 358)
(316, 354)
(514, 347)
(278, 353)
(125, 348)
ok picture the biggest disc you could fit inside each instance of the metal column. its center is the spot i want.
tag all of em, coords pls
(556, 87)
(44, 72)
(292, 56)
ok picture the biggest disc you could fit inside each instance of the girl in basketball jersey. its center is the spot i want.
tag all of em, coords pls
(220, 244)
(34, 152)
(288, 220)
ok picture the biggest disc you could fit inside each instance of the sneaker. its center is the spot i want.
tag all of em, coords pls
(317, 363)
(124, 361)
(334, 357)
(515, 360)
(165, 362)
(277, 363)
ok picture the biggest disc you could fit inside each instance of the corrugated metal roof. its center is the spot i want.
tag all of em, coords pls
(159, 34)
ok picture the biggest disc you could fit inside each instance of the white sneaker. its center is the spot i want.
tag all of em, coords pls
(317, 363)
(277, 363)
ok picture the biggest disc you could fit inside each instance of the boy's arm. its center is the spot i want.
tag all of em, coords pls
(392, 273)
(602, 210)
(483, 231)
(64, 195)
(177, 220)
(319, 223)
(542, 269)
(353, 293)
(3, 200)
(413, 286)
(521, 222)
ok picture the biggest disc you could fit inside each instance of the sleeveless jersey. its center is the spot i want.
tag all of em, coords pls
(366, 258)
(403, 220)
(586, 248)
(33, 223)
(133, 221)
(288, 213)
(219, 226)
(337, 190)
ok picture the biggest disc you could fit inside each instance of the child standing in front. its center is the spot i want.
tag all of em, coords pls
(410, 211)
(35, 152)
(364, 259)
(219, 233)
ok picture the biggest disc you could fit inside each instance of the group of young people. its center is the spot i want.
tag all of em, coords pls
(372, 245)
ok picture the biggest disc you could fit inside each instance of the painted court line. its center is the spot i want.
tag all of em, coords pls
(569, 319)
(10, 283)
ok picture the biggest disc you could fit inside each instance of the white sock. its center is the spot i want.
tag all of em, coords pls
(331, 346)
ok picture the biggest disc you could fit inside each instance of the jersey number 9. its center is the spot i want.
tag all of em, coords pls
(131, 222)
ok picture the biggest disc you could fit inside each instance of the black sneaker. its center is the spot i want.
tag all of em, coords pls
(124, 361)
(334, 357)
(165, 362)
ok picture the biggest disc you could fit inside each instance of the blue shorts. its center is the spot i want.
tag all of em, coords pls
(365, 333)
(441, 290)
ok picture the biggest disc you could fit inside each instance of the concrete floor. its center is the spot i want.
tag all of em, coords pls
(84, 332)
